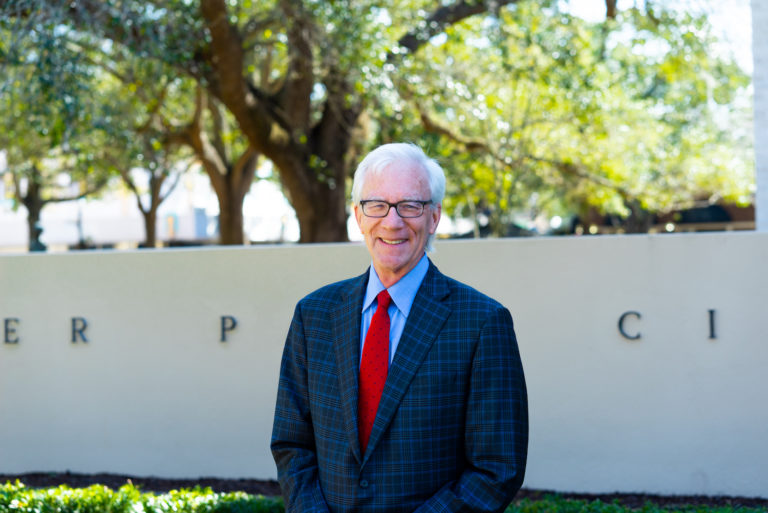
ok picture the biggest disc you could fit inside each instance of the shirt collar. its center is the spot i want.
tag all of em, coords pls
(403, 292)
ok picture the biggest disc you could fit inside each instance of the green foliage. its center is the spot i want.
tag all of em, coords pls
(17, 498)
(45, 156)
(536, 110)
(47, 113)
(528, 108)
(557, 504)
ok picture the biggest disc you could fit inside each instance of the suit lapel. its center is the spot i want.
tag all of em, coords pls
(425, 321)
(346, 335)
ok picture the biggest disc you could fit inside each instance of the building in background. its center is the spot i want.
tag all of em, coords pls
(188, 216)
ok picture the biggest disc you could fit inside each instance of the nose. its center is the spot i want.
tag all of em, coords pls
(392, 219)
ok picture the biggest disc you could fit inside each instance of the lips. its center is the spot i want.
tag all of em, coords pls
(393, 242)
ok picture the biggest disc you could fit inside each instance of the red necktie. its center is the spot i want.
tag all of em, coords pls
(373, 367)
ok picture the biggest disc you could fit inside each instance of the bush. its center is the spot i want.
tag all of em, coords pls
(17, 498)
(555, 504)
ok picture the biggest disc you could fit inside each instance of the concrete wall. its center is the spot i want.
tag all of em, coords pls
(760, 82)
(154, 391)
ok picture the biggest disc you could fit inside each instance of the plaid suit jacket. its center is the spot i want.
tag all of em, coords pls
(451, 432)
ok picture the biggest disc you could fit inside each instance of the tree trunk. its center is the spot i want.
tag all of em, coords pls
(34, 203)
(150, 212)
(231, 217)
(310, 156)
(150, 227)
(231, 184)
(230, 179)
(314, 179)
(639, 220)
(326, 221)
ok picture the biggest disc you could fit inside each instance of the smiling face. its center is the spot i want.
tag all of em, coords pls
(396, 245)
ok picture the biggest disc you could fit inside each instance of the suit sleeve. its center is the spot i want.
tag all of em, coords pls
(293, 441)
(496, 427)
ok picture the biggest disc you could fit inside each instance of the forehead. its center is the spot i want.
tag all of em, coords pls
(401, 179)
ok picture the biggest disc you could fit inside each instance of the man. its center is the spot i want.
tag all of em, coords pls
(417, 406)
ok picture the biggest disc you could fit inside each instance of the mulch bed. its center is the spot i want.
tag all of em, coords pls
(271, 488)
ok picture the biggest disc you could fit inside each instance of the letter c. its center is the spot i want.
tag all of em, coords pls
(624, 334)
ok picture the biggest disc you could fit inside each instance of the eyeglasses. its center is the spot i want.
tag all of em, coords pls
(405, 209)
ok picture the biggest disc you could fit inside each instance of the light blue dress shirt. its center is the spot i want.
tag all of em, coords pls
(402, 293)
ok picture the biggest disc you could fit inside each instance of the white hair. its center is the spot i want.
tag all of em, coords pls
(386, 154)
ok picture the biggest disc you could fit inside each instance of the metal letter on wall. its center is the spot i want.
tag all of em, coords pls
(79, 324)
(624, 334)
(10, 336)
(712, 335)
(228, 323)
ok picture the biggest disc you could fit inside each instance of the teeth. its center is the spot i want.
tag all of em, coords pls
(398, 241)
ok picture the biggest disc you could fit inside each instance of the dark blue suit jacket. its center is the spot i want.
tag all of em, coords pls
(451, 432)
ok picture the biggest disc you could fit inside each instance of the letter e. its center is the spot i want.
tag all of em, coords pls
(11, 337)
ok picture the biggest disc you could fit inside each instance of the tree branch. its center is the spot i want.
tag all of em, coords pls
(244, 168)
(90, 189)
(569, 168)
(294, 96)
(254, 111)
(441, 18)
(176, 180)
(473, 144)
(470, 143)
(16, 188)
(218, 128)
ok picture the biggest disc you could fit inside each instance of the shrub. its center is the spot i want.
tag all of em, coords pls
(17, 498)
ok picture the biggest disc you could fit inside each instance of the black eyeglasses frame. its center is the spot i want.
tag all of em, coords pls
(423, 204)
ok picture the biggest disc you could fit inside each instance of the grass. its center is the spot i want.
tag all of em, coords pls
(18, 498)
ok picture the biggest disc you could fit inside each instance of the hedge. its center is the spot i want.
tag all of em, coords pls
(18, 498)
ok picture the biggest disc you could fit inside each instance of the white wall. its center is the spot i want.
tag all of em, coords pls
(154, 391)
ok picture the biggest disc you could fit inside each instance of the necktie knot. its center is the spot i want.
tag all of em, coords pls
(383, 300)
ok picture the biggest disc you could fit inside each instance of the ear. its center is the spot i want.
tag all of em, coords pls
(434, 215)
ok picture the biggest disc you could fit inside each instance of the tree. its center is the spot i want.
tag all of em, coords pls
(296, 76)
(548, 112)
(134, 98)
(230, 164)
(159, 166)
(148, 110)
(300, 79)
(141, 110)
(44, 159)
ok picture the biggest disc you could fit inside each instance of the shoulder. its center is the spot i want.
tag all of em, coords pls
(473, 308)
(471, 317)
(460, 294)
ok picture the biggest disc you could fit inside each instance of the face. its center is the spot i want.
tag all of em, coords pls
(396, 245)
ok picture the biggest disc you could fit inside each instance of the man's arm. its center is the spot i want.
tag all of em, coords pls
(293, 440)
(496, 428)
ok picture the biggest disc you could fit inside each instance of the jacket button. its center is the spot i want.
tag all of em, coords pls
(363, 483)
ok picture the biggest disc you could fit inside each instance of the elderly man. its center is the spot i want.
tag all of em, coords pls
(400, 390)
